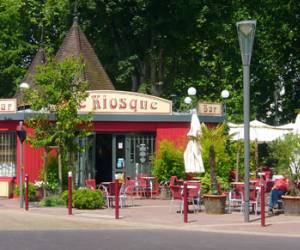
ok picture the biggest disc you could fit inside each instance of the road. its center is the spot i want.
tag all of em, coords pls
(134, 239)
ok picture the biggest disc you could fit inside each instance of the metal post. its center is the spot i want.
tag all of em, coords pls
(185, 203)
(21, 176)
(262, 205)
(70, 193)
(116, 199)
(26, 192)
(246, 73)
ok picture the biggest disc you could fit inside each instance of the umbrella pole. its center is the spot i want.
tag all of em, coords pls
(237, 162)
(256, 156)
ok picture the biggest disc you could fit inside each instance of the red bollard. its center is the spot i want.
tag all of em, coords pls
(185, 203)
(26, 192)
(262, 205)
(117, 199)
(70, 193)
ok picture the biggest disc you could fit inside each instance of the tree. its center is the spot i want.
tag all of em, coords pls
(164, 47)
(15, 45)
(286, 152)
(57, 96)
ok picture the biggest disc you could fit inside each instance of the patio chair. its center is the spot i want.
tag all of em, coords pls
(235, 199)
(155, 190)
(254, 199)
(105, 193)
(90, 183)
(130, 189)
(194, 195)
(176, 195)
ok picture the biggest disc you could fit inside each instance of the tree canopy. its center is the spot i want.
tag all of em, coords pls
(164, 47)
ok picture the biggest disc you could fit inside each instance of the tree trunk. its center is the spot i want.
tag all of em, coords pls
(237, 162)
(212, 163)
(59, 171)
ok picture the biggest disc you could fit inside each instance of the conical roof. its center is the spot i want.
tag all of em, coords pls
(39, 59)
(76, 44)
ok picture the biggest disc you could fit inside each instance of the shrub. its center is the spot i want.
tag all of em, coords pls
(84, 198)
(217, 138)
(168, 162)
(32, 193)
(286, 153)
(52, 201)
(52, 175)
(205, 184)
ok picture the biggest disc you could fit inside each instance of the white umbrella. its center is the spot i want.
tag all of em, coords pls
(259, 131)
(193, 162)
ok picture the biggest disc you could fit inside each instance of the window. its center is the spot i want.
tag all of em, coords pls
(8, 154)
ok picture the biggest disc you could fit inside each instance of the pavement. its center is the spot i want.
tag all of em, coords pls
(144, 214)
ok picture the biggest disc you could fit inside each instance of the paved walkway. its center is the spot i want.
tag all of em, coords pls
(144, 214)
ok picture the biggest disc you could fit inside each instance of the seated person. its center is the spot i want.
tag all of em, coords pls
(279, 188)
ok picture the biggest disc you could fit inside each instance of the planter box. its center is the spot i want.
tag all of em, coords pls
(291, 205)
(214, 204)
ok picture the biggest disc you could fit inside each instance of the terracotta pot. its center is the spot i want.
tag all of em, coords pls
(214, 204)
(291, 205)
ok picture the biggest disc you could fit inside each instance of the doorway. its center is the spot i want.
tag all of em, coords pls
(103, 158)
(110, 154)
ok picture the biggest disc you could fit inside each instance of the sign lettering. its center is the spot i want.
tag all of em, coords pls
(8, 105)
(122, 102)
(213, 109)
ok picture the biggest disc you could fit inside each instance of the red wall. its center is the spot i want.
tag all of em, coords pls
(32, 161)
(32, 158)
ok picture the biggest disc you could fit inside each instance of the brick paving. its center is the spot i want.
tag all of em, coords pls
(145, 214)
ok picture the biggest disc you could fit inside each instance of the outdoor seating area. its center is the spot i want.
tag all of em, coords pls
(147, 187)
(142, 187)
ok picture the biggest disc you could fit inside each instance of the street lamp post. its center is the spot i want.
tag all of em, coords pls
(246, 33)
(22, 136)
(189, 99)
(225, 95)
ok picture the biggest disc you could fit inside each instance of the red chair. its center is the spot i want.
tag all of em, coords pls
(176, 194)
(194, 194)
(236, 196)
(155, 189)
(130, 189)
(254, 198)
(90, 183)
(175, 181)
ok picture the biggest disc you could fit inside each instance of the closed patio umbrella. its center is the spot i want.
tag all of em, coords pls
(193, 162)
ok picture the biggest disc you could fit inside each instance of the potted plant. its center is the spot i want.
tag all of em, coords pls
(213, 142)
(286, 152)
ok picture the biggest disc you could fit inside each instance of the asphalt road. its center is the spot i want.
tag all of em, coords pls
(134, 239)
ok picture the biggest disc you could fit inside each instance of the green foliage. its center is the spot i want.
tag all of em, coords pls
(168, 162)
(235, 150)
(223, 184)
(15, 44)
(52, 175)
(52, 201)
(217, 138)
(175, 42)
(32, 192)
(286, 152)
(65, 196)
(60, 91)
(84, 198)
